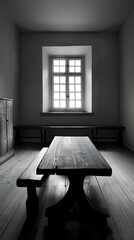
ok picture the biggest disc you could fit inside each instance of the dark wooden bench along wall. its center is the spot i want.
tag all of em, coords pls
(92, 130)
(25, 128)
(111, 129)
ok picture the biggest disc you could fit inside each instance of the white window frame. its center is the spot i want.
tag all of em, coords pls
(67, 74)
(85, 51)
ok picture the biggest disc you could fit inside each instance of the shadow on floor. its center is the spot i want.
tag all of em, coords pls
(73, 230)
(69, 230)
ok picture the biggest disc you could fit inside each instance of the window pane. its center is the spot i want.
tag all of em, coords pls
(78, 80)
(62, 62)
(56, 79)
(63, 80)
(56, 88)
(78, 96)
(71, 69)
(56, 104)
(78, 88)
(77, 69)
(62, 96)
(71, 88)
(62, 88)
(71, 62)
(72, 104)
(56, 69)
(78, 104)
(71, 80)
(78, 62)
(72, 96)
(62, 104)
(56, 95)
(56, 62)
(62, 69)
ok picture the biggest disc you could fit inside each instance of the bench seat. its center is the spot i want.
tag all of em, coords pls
(31, 180)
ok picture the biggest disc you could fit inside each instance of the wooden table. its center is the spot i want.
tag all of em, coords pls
(75, 157)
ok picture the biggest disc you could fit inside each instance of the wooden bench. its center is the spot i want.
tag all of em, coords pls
(19, 128)
(31, 180)
(92, 130)
(70, 130)
(108, 128)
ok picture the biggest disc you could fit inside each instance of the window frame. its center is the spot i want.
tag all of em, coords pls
(67, 74)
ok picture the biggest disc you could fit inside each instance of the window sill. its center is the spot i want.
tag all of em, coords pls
(66, 114)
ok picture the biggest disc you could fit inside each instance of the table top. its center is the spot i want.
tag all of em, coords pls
(73, 155)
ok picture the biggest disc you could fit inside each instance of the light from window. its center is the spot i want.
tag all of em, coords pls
(67, 82)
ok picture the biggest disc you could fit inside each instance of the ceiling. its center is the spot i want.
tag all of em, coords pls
(69, 15)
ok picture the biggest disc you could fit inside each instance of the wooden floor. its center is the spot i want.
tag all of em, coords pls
(116, 193)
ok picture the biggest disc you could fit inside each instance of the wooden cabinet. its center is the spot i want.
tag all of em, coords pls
(6, 129)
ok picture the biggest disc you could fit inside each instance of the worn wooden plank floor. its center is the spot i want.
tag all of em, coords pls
(116, 193)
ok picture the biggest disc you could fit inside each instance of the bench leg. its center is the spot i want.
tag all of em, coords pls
(41, 136)
(120, 137)
(17, 136)
(96, 136)
(45, 137)
(92, 135)
(32, 203)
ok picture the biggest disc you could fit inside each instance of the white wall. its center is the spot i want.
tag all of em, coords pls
(8, 60)
(127, 80)
(105, 76)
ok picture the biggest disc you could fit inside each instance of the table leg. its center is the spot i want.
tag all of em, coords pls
(75, 204)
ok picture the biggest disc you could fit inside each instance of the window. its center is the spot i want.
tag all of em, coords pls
(67, 80)
(82, 53)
